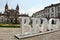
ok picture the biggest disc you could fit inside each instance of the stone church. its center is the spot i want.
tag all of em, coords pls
(11, 15)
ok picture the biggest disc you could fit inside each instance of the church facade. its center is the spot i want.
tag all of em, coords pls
(11, 15)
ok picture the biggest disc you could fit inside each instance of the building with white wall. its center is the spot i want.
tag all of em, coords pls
(51, 11)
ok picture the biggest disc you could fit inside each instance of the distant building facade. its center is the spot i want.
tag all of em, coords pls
(11, 15)
(52, 11)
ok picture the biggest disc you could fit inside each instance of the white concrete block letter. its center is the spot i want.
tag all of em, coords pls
(36, 24)
(44, 25)
(25, 27)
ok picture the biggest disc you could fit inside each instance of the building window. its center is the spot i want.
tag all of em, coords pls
(52, 15)
(48, 10)
(52, 9)
(58, 8)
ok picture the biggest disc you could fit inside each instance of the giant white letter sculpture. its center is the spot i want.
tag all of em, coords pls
(53, 24)
(57, 24)
(44, 25)
(25, 27)
(36, 25)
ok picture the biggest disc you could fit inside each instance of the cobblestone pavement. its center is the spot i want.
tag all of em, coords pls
(8, 33)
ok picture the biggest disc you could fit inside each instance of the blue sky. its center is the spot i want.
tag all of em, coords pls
(27, 6)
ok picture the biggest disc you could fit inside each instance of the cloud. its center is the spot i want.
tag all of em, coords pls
(56, 1)
(30, 11)
(22, 11)
(33, 10)
(2, 9)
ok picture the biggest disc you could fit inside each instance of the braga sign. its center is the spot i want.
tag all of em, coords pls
(37, 25)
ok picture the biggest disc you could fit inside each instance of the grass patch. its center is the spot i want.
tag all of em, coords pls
(9, 26)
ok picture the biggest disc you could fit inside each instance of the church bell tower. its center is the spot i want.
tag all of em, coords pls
(6, 7)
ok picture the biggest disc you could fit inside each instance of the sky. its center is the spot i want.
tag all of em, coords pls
(27, 6)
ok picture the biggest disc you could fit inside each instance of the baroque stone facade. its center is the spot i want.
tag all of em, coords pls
(11, 15)
(52, 11)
